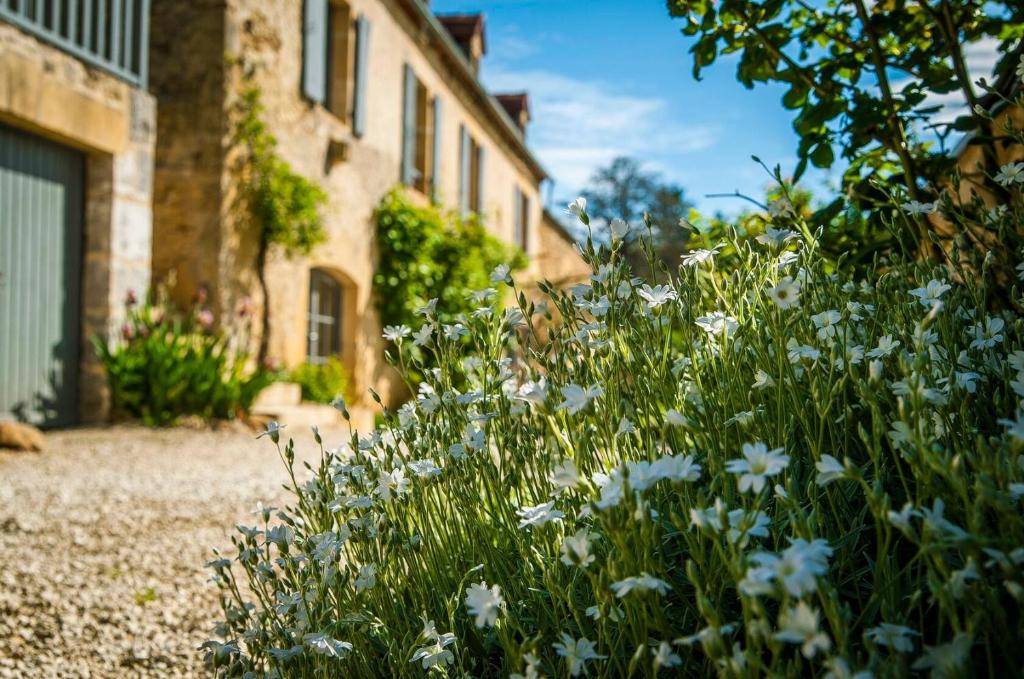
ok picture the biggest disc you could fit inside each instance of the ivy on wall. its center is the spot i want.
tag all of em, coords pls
(427, 253)
(285, 206)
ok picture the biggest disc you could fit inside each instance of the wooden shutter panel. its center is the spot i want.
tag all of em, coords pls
(314, 50)
(524, 210)
(409, 127)
(359, 86)
(481, 158)
(464, 151)
(435, 160)
(517, 219)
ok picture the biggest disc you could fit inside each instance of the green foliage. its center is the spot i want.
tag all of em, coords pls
(168, 364)
(863, 77)
(427, 253)
(285, 205)
(322, 383)
(785, 471)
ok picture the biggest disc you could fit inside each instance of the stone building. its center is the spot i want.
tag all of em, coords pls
(77, 131)
(130, 133)
(362, 95)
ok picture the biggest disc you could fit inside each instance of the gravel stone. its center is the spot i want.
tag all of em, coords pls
(103, 541)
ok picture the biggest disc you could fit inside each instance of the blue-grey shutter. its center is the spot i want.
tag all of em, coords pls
(314, 50)
(517, 212)
(409, 127)
(464, 151)
(524, 210)
(359, 86)
(481, 158)
(435, 160)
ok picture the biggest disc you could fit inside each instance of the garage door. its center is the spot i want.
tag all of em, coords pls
(41, 208)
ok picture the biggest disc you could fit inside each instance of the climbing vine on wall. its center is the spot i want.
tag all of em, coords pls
(285, 206)
(427, 253)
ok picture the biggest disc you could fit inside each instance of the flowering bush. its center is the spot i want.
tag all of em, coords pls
(167, 364)
(775, 471)
(323, 382)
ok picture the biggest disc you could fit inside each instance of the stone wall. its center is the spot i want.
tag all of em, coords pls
(50, 93)
(204, 238)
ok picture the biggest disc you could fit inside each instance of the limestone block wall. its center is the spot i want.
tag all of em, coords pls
(50, 93)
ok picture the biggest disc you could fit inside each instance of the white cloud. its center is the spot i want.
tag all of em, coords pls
(580, 125)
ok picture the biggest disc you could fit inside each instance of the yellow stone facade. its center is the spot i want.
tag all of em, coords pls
(199, 238)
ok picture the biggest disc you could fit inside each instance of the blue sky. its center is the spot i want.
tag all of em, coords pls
(613, 77)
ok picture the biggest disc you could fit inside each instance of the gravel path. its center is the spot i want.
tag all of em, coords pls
(103, 538)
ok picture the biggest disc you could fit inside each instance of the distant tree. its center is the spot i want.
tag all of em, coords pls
(624, 190)
(864, 76)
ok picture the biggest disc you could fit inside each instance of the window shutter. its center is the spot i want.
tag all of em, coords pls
(314, 50)
(517, 219)
(464, 151)
(409, 127)
(480, 161)
(359, 86)
(524, 210)
(435, 160)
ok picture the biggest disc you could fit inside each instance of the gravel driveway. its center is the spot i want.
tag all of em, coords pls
(103, 538)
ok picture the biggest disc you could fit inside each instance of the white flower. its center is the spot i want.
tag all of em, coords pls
(801, 353)
(717, 323)
(931, 293)
(534, 392)
(435, 654)
(640, 583)
(483, 602)
(799, 625)
(664, 657)
(658, 295)
(395, 333)
(945, 660)
(796, 568)
(612, 489)
(578, 208)
(1010, 173)
(700, 256)
(392, 483)
(424, 468)
(421, 337)
(625, 427)
(786, 294)
(501, 274)
(785, 259)
(829, 469)
(826, 322)
(886, 345)
(455, 331)
(577, 652)
(576, 549)
(988, 333)
(776, 238)
(896, 637)
(273, 430)
(762, 380)
(619, 228)
(367, 577)
(675, 418)
(1015, 428)
(539, 515)
(577, 398)
(564, 476)
(757, 464)
(839, 669)
(901, 519)
(781, 208)
(325, 645)
(915, 208)
(676, 468)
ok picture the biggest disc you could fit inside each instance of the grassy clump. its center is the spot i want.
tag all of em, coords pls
(776, 470)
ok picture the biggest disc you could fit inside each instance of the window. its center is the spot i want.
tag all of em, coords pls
(334, 59)
(471, 173)
(324, 316)
(521, 226)
(418, 134)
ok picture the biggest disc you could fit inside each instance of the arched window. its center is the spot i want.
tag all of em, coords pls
(325, 299)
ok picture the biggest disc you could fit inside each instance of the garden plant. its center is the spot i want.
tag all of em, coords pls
(776, 469)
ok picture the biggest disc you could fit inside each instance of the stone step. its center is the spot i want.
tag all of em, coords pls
(279, 394)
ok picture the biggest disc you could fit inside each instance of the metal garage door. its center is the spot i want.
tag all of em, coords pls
(41, 207)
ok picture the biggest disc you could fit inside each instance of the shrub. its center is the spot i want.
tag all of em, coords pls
(322, 383)
(167, 364)
(425, 253)
(771, 471)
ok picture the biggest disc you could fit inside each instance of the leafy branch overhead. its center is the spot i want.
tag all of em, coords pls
(864, 77)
